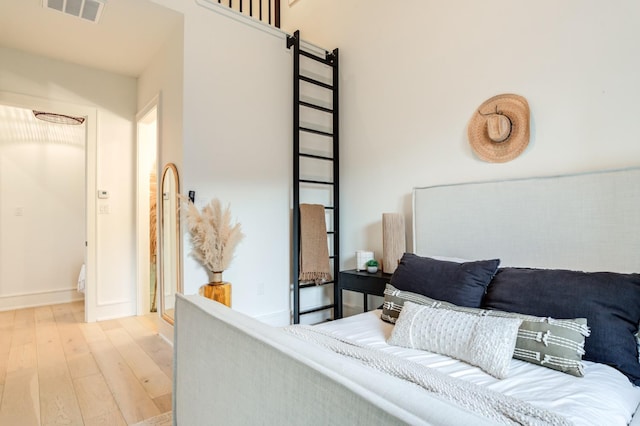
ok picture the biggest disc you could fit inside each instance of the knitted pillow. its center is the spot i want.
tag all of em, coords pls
(483, 341)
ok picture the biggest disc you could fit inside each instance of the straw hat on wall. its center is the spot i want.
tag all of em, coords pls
(499, 130)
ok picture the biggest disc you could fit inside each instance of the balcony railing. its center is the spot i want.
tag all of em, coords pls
(267, 11)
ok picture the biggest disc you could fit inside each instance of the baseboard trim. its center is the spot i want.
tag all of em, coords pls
(30, 300)
(276, 319)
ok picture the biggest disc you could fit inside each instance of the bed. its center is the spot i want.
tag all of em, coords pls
(552, 237)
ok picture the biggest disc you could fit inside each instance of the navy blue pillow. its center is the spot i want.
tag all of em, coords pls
(609, 301)
(462, 284)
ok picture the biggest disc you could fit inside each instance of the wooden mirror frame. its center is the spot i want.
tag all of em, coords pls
(169, 265)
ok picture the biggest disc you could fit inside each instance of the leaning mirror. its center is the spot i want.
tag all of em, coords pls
(169, 222)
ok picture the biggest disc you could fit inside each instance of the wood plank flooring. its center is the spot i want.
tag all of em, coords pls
(57, 370)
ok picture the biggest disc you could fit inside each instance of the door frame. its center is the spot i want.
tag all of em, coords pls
(91, 138)
(142, 213)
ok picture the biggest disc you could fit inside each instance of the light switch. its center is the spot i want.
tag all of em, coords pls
(103, 193)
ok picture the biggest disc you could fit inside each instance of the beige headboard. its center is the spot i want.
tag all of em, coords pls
(588, 222)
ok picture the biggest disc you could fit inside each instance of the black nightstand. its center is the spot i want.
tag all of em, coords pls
(361, 282)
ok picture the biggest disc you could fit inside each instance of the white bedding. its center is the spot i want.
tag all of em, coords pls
(602, 397)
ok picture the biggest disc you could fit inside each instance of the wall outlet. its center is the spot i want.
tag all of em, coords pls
(19, 211)
(104, 209)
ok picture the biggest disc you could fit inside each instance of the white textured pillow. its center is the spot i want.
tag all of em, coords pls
(483, 341)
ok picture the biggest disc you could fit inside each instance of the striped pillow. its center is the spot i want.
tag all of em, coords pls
(549, 342)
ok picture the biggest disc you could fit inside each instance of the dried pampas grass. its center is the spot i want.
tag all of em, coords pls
(213, 236)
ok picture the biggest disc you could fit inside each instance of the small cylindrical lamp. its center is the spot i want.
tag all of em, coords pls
(393, 241)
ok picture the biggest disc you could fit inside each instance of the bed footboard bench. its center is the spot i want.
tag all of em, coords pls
(234, 370)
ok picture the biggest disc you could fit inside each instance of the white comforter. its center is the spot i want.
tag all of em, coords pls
(602, 397)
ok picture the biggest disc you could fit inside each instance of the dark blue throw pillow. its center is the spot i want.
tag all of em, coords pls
(462, 284)
(609, 301)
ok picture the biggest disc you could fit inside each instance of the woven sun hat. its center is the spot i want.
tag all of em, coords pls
(499, 129)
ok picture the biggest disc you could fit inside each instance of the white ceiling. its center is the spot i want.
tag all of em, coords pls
(125, 39)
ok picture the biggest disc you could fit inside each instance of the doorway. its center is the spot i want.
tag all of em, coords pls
(147, 218)
(46, 151)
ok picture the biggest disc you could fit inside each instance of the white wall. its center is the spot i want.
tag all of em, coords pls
(413, 74)
(42, 209)
(114, 97)
(237, 147)
(164, 76)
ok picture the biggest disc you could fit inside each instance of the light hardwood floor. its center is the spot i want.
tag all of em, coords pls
(57, 370)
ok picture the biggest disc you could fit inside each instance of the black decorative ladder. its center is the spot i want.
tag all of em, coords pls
(315, 147)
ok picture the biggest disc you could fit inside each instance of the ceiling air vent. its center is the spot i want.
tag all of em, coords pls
(89, 10)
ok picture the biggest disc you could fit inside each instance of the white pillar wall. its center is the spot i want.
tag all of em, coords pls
(238, 148)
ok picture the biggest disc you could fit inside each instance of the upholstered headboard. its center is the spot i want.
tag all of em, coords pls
(588, 222)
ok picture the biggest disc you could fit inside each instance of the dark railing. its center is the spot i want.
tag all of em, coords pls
(267, 11)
